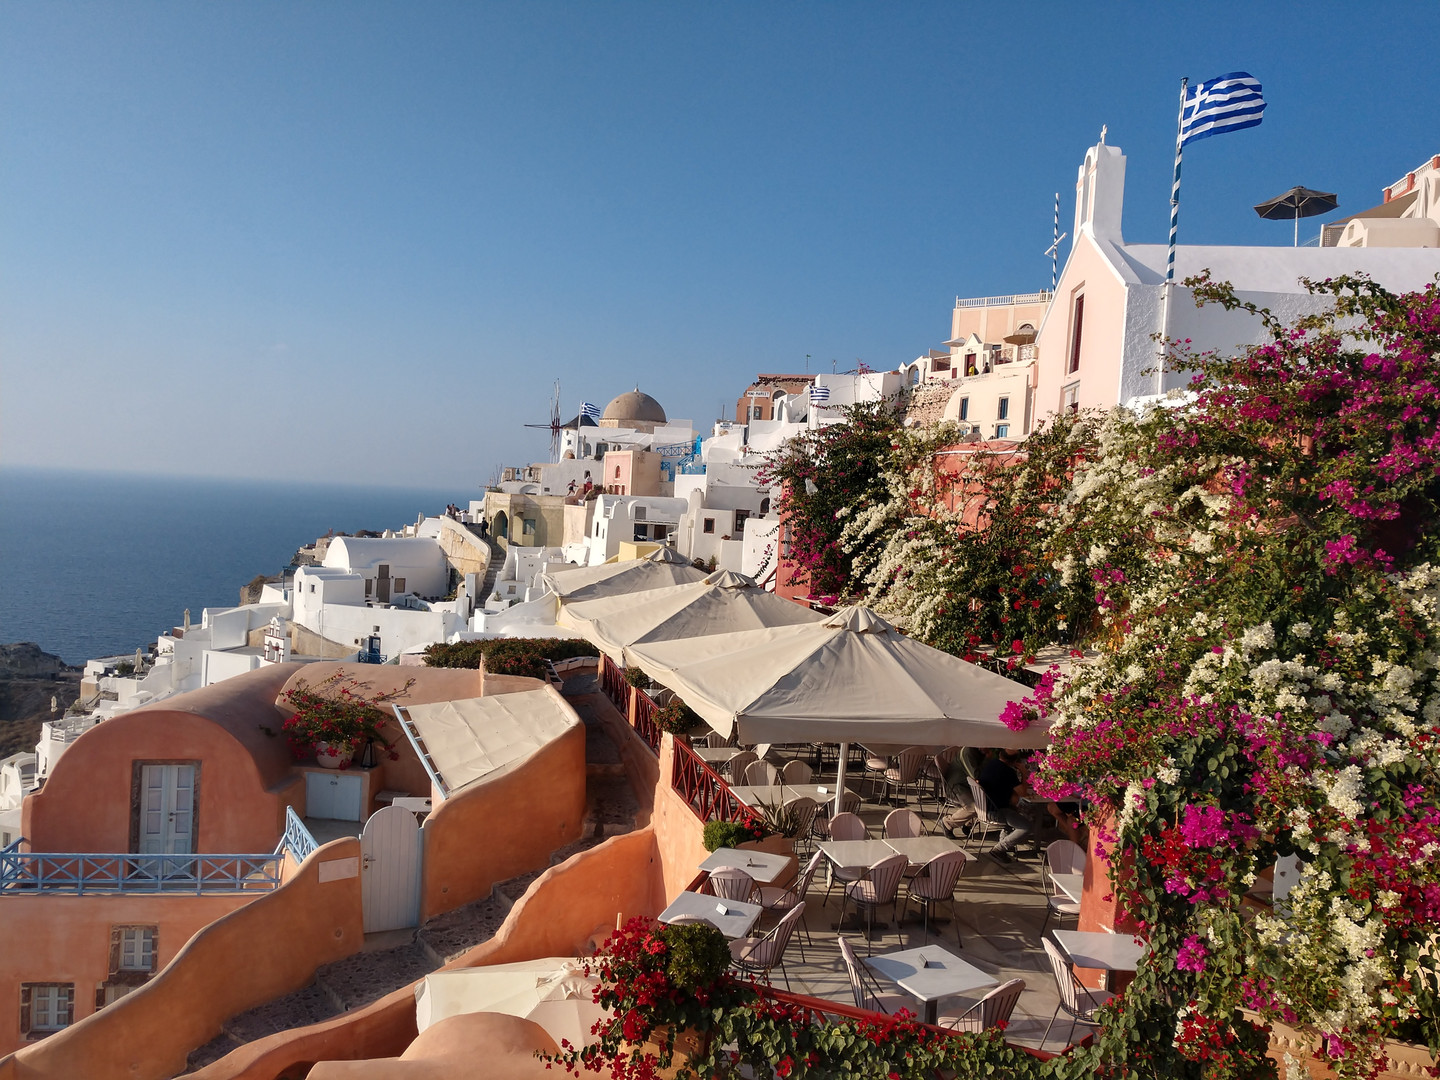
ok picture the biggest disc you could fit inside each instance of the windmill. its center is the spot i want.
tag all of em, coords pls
(554, 425)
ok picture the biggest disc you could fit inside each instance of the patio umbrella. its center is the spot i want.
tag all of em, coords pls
(722, 603)
(849, 678)
(659, 569)
(1296, 203)
(554, 992)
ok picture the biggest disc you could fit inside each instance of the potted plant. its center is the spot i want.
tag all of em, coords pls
(732, 834)
(677, 718)
(335, 718)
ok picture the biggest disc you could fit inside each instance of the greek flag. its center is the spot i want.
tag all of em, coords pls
(819, 394)
(1225, 103)
(590, 409)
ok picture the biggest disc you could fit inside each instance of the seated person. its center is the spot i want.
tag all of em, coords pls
(1003, 787)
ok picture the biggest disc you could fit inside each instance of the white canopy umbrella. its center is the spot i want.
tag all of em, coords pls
(724, 602)
(660, 569)
(554, 992)
(849, 678)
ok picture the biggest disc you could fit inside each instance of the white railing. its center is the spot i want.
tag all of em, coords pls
(1044, 296)
(297, 839)
(24, 873)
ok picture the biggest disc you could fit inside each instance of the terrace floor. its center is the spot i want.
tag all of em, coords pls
(1001, 907)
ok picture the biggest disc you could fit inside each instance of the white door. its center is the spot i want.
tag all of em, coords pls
(390, 870)
(333, 795)
(167, 809)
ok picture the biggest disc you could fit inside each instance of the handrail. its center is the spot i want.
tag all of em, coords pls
(703, 789)
(412, 733)
(24, 873)
(644, 723)
(1044, 296)
(298, 840)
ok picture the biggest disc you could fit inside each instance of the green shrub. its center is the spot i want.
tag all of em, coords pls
(699, 955)
(731, 834)
(508, 656)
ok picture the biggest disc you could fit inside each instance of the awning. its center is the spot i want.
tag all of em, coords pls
(463, 741)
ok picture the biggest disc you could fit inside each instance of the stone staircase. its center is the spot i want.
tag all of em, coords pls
(497, 563)
(369, 975)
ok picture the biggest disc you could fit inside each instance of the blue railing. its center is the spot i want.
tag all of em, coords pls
(28, 872)
(297, 839)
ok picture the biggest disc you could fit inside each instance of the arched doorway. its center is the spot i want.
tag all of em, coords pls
(500, 526)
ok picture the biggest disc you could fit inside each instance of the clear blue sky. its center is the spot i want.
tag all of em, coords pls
(359, 241)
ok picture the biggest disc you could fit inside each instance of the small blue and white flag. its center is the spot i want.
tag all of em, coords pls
(590, 409)
(819, 395)
(1225, 103)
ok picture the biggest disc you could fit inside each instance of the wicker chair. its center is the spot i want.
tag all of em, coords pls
(1078, 1000)
(934, 883)
(990, 1011)
(761, 954)
(880, 884)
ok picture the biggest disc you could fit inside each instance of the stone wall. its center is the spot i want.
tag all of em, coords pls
(464, 551)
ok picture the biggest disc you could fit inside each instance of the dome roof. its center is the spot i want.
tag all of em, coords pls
(634, 405)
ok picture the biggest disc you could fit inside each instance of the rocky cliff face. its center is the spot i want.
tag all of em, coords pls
(30, 679)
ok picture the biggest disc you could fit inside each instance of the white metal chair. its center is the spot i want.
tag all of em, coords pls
(1062, 857)
(862, 984)
(902, 824)
(761, 954)
(796, 772)
(732, 883)
(880, 884)
(761, 774)
(737, 765)
(1079, 1001)
(990, 1011)
(904, 773)
(985, 818)
(779, 900)
(935, 884)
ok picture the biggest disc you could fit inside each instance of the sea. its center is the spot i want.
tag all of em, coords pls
(98, 564)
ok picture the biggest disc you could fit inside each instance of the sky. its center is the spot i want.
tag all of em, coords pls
(359, 242)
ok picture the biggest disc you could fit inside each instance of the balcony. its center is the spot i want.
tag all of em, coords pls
(28, 873)
(1044, 296)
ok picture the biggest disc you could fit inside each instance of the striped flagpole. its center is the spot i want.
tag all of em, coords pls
(1169, 285)
(1175, 189)
(1055, 248)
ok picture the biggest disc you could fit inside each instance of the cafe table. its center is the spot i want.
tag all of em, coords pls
(928, 974)
(764, 866)
(921, 849)
(1100, 950)
(1072, 885)
(733, 918)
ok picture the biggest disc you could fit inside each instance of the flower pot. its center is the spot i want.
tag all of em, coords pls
(333, 755)
(689, 1044)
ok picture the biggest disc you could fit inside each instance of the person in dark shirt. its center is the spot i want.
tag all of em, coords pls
(1000, 780)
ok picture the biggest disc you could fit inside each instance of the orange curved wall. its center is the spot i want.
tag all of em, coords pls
(85, 803)
(563, 913)
(268, 948)
(503, 826)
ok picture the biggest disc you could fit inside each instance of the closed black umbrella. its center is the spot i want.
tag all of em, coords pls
(1296, 203)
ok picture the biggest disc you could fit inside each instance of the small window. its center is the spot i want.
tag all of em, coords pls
(528, 527)
(1002, 412)
(1070, 398)
(399, 584)
(45, 1007)
(964, 408)
(312, 587)
(1002, 431)
(756, 412)
(1078, 323)
(369, 587)
(132, 948)
(617, 472)
(709, 525)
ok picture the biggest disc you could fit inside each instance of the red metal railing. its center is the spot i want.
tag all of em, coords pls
(702, 788)
(612, 682)
(644, 722)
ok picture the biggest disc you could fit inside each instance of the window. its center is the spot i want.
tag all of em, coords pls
(1070, 398)
(964, 408)
(709, 525)
(741, 516)
(369, 586)
(399, 584)
(312, 588)
(1002, 411)
(1078, 323)
(1002, 431)
(45, 1007)
(755, 412)
(132, 948)
(528, 528)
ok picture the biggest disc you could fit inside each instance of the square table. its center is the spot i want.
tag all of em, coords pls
(715, 755)
(764, 866)
(1072, 885)
(928, 974)
(1097, 949)
(855, 854)
(753, 796)
(921, 849)
(734, 921)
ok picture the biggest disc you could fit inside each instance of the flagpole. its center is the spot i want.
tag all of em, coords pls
(1055, 248)
(1169, 286)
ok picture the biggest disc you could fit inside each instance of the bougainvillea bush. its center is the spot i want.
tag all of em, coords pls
(1257, 563)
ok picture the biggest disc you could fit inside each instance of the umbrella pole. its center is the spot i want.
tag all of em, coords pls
(1296, 241)
(840, 778)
